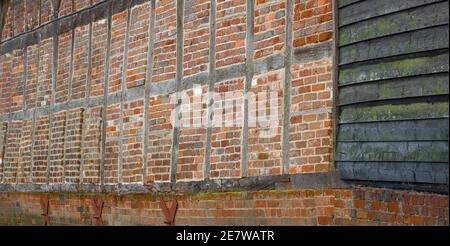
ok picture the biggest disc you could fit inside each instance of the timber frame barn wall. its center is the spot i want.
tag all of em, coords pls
(90, 104)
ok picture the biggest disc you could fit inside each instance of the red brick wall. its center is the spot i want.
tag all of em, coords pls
(17, 81)
(25, 161)
(73, 105)
(164, 60)
(64, 75)
(12, 151)
(160, 139)
(111, 155)
(3, 129)
(196, 37)
(47, 11)
(133, 142)
(138, 45)
(231, 32)
(118, 36)
(310, 131)
(264, 142)
(80, 62)
(5, 89)
(40, 150)
(72, 145)
(270, 27)
(57, 147)
(19, 16)
(27, 15)
(45, 73)
(8, 28)
(227, 129)
(312, 21)
(65, 7)
(98, 58)
(192, 136)
(81, 4)
(32, 76)
(92, 146)
(360, 206)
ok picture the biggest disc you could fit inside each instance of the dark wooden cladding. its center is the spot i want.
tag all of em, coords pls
(399, 44)
(397, 88)
(411, 172)
(363, 10)
(403, 21)
(417, 130)
(393, 92)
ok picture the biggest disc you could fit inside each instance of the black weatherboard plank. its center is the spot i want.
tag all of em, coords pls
(408, 20)
(393, 93)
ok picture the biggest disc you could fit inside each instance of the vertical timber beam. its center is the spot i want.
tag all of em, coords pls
(87, 98)
(179, 77)
(249, 68)
(25, 75)
(123, 94)
(72, 50)
(69, 92)
(53, 93)
(334, 79)
(211, 81)
(33, 127)
(4, 5)
(148, 80)
(40, 13)
(3, 146)
(33, 140)
(105, 97)
(287, 88)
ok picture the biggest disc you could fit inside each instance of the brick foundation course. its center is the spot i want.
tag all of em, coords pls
(86, 100)
(357, 206)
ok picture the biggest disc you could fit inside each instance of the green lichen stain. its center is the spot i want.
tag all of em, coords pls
(395, 112)
(414, 87)
(404, 151)
(393, 69)
(412, 19)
